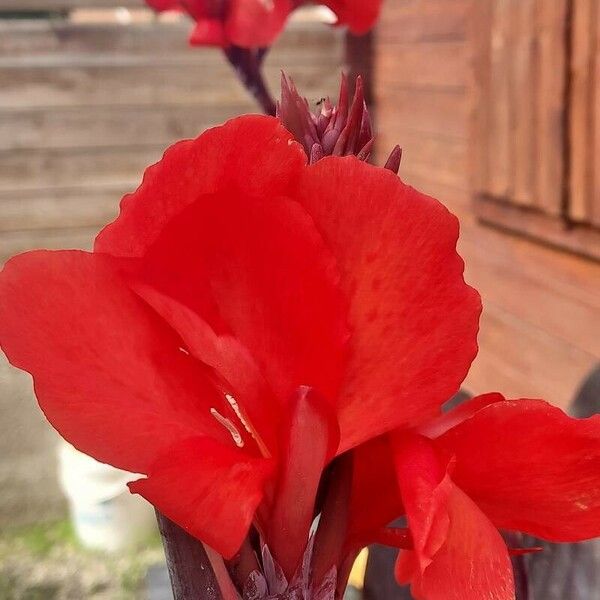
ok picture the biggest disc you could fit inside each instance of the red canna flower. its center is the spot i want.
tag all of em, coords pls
(243, 303)
(491, 463)
(257, 23)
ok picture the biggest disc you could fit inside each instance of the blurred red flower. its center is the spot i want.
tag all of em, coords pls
(243, 303)
(257, 23)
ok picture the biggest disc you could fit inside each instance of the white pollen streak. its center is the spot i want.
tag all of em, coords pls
(236, 409)
(235, 434)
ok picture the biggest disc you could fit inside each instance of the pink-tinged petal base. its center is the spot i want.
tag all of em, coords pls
(312, 438)
(210, 489)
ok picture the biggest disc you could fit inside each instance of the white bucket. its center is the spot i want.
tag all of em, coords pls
(105, 515)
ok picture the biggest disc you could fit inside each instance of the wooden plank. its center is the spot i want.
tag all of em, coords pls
(431, 111)
(524, 361)
(499, 133)
(38, 169)
(430, 65)
(522, 102)
(54, 5)
(110, 126)
(581, 114)
(594, 209)
(423, 21)
(550, 107)
(539, 225)
(138, 85)
(30, 38)
(561, 273)
(478, 98)
(522, 295)
(430, 156)
(61, 208)
(14, 242)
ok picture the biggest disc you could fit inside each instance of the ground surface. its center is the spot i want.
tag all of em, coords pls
(46, 563)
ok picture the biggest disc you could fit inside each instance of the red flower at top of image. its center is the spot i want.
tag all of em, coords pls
(246, 318)
(257, 23)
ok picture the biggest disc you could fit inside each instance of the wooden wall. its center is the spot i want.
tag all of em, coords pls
(86, 104)
(540, 333)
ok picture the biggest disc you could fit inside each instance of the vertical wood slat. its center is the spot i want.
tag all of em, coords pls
(499, 141)
(522, 101)
(480, 98)
(520, 79)
(594, 208)
(581, 115)
(584, 122)
(551, 22)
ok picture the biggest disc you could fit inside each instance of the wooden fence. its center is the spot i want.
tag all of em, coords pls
(87, 102)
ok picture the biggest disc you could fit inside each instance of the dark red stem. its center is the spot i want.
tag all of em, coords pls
(247, 63)
(191, 573)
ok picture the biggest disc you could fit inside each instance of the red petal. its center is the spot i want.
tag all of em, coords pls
(463, 411)
(414, 320)
(458, 553)
(256, 409)
(425, 488)
(257, 269)
(407, 567)
(162, 5)
(359, 15)
(256, 23)
(209, 489)
(375, 498)
(312, 438)
(108, 373)
(472, 564)
(530, 468)
(252, 153)
(208, 32)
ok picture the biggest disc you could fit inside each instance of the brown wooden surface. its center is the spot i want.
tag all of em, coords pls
(50, 5)
(535, 135)
(85, 107)
(585, 113)
(540, 334)
(520, 49)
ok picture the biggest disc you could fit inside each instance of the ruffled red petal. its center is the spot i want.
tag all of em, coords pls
(108, 373)
(210, 489)
(413, 319)
(531, 468)
(252, 153)
(458, 553)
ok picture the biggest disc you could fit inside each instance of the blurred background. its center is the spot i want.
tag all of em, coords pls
(496, 104)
